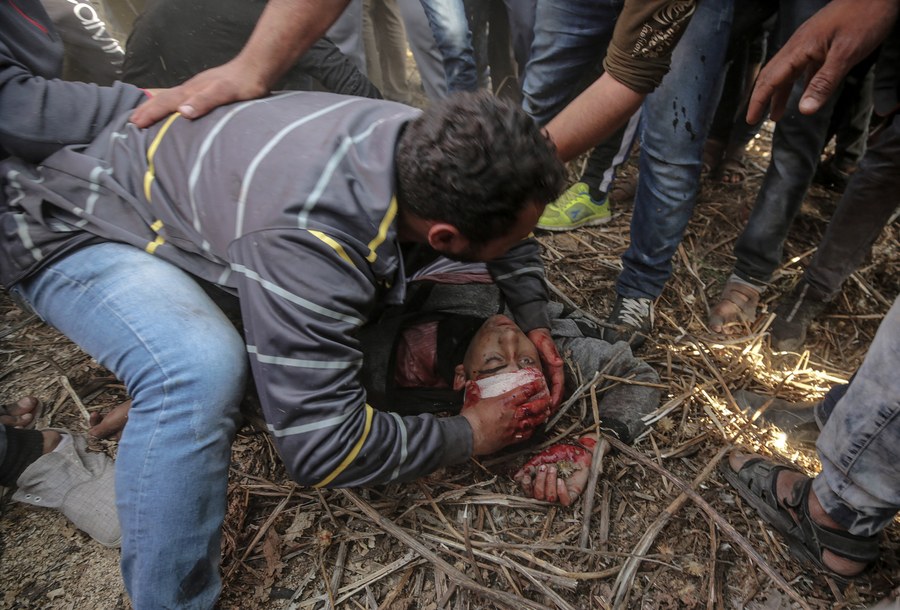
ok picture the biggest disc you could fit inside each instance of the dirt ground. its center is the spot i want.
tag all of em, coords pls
(464, 537)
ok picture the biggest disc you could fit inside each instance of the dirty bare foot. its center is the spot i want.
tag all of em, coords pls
(21, 414)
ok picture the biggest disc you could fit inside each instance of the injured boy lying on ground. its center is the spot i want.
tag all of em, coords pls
(453, 334)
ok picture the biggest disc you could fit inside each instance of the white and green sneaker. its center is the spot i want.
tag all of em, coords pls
(575, 208)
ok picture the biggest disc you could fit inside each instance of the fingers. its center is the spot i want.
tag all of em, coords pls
(822, 85)
(552, 362)
(156, 108)
(566, 498)
(524, 477)
(543, 483)
(16, 421)
(546, 484)
(112, 424)
(21, 414)
(557, 385)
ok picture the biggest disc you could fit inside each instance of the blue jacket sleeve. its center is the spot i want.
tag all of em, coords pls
(520, 276)
(38, 116)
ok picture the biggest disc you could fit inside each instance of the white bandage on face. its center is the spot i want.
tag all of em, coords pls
(504, 382)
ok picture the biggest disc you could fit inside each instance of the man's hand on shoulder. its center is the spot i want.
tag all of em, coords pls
(231, 82)
(505, 419)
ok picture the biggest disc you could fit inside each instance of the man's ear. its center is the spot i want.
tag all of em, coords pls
(459, 377)
(445, 237)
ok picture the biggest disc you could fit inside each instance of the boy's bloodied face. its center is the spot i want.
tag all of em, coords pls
(498, 347)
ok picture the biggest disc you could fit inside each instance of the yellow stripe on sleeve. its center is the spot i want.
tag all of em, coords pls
(382, 230)
(151, 152)
(353, 452)
(334, 244)
(153, 245)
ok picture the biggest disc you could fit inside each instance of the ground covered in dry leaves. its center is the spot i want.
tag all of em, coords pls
(464, 537)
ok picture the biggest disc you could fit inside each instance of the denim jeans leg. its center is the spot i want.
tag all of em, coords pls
(521, 29)
(864, 209)
(796, 146)
(675, 121)
(570, 38)
(859, 447)
(184, 366)
(825, 408)
(447, 19)
(423, 48)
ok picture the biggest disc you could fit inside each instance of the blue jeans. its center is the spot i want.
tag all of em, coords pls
(859, 446)
(570, 40)
(675, 121)
(447, 19)
(185, 367)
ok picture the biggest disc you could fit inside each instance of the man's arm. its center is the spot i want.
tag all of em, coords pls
(286, 29)
(593, 116)
(38, 116)
(822, 51)
(638, 57)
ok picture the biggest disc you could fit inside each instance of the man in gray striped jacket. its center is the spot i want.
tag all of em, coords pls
(306, 206)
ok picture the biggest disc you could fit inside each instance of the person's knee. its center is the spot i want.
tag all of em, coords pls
(219, 366)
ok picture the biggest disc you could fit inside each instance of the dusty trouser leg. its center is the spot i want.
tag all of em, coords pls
(859, 447)
(864, 209)
(862, 212)
(185, 367)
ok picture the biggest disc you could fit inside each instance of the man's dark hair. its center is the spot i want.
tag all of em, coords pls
(475, 161)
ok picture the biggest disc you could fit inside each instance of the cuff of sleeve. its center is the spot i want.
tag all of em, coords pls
(532, 315)
(618, 429)
(457, 433)
(642, 76)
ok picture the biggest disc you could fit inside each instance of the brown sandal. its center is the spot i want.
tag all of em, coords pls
(736, 308)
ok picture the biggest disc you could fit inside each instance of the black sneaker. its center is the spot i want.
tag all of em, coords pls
(629, 321)
(796, 420)
(793, 316)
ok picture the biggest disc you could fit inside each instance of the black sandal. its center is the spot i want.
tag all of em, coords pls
(807, 540)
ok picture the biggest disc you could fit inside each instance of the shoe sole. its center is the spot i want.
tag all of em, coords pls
(587, 223)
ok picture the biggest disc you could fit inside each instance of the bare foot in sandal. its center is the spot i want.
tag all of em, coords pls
(826, 543)
(22, 414)
(732, 170)
(712, 156)
(736, 308)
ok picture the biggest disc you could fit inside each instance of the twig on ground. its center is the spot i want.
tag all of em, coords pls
(394, 530)
(719, 519)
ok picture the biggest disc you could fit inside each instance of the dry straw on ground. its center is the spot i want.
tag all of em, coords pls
(662, 529)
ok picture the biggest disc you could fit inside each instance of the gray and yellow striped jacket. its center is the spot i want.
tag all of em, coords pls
(289, 202)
